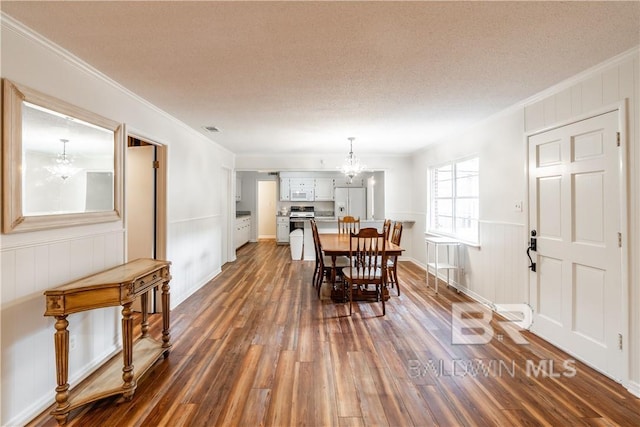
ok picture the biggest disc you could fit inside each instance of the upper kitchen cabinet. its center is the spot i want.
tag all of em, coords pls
(324, 189)
(302, 184)
(238, 188)
(285, 189)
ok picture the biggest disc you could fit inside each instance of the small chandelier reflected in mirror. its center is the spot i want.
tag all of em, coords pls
(351, 166)
(63, 167)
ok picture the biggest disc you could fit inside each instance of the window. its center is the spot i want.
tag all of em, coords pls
(455, 199)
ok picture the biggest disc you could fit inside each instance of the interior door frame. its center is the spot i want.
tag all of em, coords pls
(623, 122)
(227, 243)
(161, 190)
(256, 235)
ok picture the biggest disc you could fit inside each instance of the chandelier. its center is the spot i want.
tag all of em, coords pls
(63, 167)
(351, 166)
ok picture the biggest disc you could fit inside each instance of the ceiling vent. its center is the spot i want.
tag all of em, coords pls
(212, 129)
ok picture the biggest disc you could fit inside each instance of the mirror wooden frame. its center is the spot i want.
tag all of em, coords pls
(13, 218)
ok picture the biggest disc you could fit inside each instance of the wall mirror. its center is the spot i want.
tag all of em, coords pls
(61, 165)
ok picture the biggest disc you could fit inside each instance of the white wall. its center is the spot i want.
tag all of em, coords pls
(494, 272)
(497, 271)
(35, 261)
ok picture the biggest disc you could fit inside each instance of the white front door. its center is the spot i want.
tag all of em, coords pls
(574, 206)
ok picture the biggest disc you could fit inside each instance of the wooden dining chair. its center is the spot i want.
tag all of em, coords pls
(386, 228)
(348, 225)
(368, 258)
(392, 262)
(324, 264)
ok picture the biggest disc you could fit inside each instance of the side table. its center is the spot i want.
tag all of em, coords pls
(436, 265)
(118, 286)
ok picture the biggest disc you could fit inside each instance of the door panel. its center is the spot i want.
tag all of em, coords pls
(575, 208)
(140, 202)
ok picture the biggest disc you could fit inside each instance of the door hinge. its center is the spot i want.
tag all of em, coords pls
(619, 240)
(156, 164)
(618, 139)
(619, 341)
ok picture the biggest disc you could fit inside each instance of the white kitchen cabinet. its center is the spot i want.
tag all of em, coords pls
(282, 230)
(285, 186)
(302, 183)
(243, 230)
(324, 189)
(238, 188)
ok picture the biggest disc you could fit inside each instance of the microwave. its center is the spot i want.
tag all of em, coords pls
(302, 195)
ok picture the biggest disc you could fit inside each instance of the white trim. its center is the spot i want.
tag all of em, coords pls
(513, 224)
(619, 106)
(45, 401)
(430, 171)
(578, 78)
(199, 218)
(553, 90)
(53, 240)
(623, 177)
(19, 28)
(633, 388)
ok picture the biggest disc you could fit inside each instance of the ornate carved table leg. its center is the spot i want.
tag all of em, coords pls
(166, 335)
(144, 303)
(61, 339)
(129, 385)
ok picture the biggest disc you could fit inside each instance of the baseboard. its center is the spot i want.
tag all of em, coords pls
(40, 405)
(633, 388)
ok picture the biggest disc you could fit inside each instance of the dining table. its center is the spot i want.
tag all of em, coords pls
(338, 244)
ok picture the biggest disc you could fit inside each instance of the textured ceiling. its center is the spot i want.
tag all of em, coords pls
(301, 77)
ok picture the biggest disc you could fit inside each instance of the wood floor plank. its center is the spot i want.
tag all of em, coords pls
(257, 346)
(233, 408)
(348, 404)
(279, 412)
(390, 397)
(371, 406)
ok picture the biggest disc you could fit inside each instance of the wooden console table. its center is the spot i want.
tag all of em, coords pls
(119, 286)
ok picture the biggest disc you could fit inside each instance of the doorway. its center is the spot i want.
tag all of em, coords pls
(267, 195)
(145, 203)
(577, 291)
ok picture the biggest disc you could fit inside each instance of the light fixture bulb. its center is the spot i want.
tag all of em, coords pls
(351, 166)
(63, 166)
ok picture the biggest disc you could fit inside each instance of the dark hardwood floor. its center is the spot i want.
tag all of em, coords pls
(256, 346)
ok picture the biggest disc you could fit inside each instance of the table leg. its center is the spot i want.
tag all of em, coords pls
(144, 303)
(333, 271)
(129, 385)
(166, 335)
(61, 341)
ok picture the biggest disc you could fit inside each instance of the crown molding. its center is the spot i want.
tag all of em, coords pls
(559, 87)
(582, 76)
(11, 24)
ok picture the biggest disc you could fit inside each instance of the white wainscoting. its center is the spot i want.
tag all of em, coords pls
(28, 357)
(496, 271)
(195, 253)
